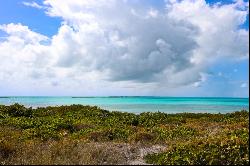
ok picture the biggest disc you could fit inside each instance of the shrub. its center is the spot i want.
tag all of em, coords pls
(18, 110)
(214, 151)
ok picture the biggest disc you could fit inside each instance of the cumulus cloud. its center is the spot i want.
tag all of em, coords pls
(23, 53)
(119, 40)
(22, 32)
(133, 44)
(220, 35)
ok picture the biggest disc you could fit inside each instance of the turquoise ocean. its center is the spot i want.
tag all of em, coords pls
(139, 104)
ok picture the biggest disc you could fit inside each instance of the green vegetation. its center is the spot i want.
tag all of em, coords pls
(79, 134)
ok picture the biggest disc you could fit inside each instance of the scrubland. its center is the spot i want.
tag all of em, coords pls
(83, 135)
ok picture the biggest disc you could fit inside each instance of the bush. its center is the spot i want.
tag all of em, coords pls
(229, 150)
(18, 110)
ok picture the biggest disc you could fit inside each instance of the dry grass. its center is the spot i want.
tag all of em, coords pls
(69, 153)
(74, 152)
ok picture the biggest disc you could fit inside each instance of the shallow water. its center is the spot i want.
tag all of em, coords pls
(140, 104)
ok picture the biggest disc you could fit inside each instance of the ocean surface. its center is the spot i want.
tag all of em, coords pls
(139, 104)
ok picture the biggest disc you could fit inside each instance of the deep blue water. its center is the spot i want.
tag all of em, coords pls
(140, 104)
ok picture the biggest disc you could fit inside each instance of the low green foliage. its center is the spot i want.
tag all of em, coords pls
(191, 138)
(228, 149)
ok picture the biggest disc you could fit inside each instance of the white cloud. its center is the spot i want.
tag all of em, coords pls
(34, 5)
(103, 43)
(202, 80)
(22, 52)
(125, 46)
(219, 32)
(22, 32)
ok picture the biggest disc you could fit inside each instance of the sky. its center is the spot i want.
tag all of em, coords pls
(124, 48)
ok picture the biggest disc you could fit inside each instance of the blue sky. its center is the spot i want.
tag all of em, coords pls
(15, 12)
(225, 76)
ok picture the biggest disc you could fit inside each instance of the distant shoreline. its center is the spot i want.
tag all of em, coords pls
(123, 111)
(123, 97)
(138, 104)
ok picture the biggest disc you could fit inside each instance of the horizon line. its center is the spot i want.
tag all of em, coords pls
(118, 96)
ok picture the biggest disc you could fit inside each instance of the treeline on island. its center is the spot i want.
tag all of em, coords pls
(80, 134)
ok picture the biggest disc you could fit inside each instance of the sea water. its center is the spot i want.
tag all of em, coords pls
(139, 104)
